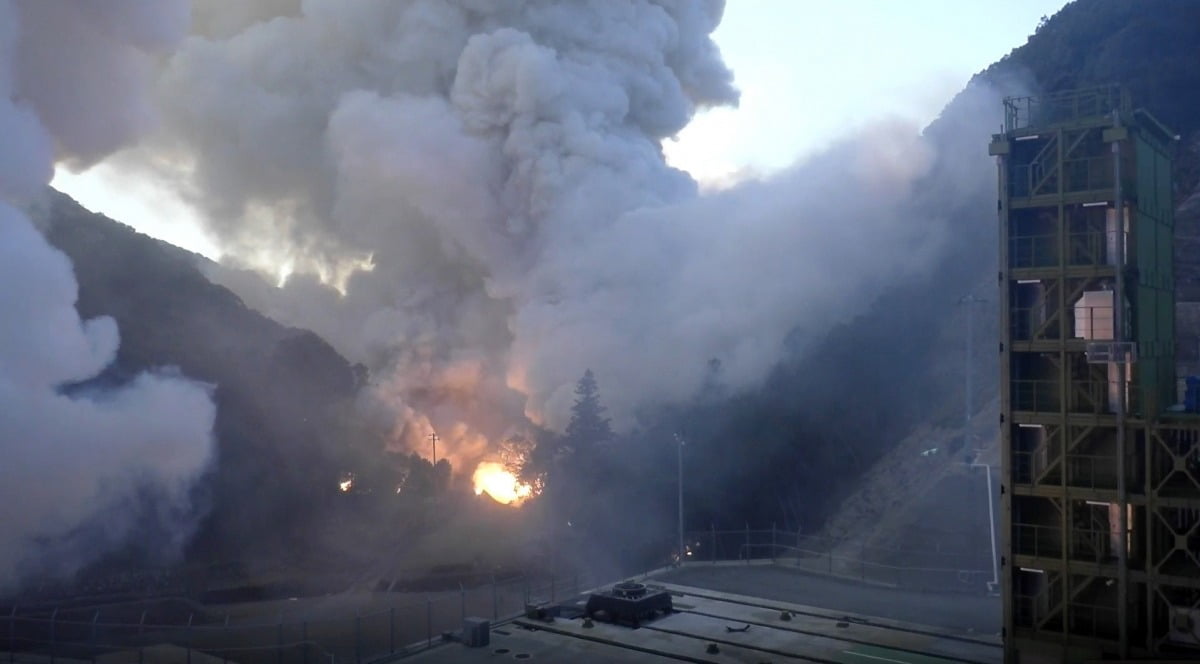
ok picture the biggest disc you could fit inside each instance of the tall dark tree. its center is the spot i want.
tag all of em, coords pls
(568, 465)
(588, 427)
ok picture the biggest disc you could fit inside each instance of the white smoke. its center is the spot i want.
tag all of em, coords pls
(72, 88)
(483, 183)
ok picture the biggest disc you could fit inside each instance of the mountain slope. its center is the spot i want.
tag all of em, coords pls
(824, 419)
(1150, 48)
(279, 390)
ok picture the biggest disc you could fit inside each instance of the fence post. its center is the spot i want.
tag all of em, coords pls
(141, 631)
(712, 527)
(187, 637)
(357, 637)
(428, 623)
(304, 638)
(747, 542)
(392, 630)
(95, 619)
(53, 638)
(495, 600)
(772, 540)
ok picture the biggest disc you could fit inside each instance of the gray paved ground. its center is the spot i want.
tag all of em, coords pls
(956, 611)
(713, 627)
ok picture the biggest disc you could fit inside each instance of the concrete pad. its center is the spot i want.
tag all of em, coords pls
(741, 628)
(978, 615)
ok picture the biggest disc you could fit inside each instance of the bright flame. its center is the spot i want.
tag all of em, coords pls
(500, 484)
(346, 484)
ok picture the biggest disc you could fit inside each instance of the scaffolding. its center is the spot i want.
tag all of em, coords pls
(1101, 490)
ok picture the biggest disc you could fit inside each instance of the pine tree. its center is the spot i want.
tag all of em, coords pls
(588, 427)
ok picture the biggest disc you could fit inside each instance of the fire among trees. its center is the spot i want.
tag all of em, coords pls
(524, 467)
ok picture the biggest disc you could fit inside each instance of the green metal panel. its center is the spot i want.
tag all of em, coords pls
(1154, 298)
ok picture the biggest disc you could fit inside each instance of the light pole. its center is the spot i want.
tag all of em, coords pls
(679, 455)
(991, 527)
(434, 437)
(969, 300)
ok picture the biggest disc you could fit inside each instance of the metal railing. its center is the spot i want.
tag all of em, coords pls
(1086, 174)
(1092, 471)
(1067, 106)
(384, 627)
(928, 570)
(1033, 323)
(1039, 466)
(1082, 322)
(1036, 395)
(1100, 622)
(1093, 620)
(1082, 397)
(1083, 249)
(1043, 541)
(1031, 610)
(1084, 471)
(1025, 466)
(1036, 541)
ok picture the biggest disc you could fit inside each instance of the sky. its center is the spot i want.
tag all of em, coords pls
(809, 72)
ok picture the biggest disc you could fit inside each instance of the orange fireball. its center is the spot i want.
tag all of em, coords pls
(494, 479)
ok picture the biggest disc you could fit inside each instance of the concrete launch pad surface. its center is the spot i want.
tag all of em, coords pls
(975, 613)
(741, 628)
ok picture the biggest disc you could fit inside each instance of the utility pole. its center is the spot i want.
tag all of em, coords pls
(679, 451)
(434, 437)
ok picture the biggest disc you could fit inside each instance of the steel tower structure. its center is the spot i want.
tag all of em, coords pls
(1101, 471)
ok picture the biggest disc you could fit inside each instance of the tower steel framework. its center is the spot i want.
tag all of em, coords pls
(1101, 471)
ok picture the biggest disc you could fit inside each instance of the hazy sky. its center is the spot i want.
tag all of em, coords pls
(809, 72)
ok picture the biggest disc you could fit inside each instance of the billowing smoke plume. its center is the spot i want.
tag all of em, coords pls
(84, 465)
(470, 196)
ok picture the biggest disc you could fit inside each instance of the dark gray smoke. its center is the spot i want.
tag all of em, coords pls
(78, 455)
(470, 197)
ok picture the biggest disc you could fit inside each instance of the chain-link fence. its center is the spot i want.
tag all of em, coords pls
(333, 629)
(927, 570)
(357, 627)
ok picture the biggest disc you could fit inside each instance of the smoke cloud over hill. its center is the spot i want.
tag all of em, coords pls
(85, 463)
(471, 198)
